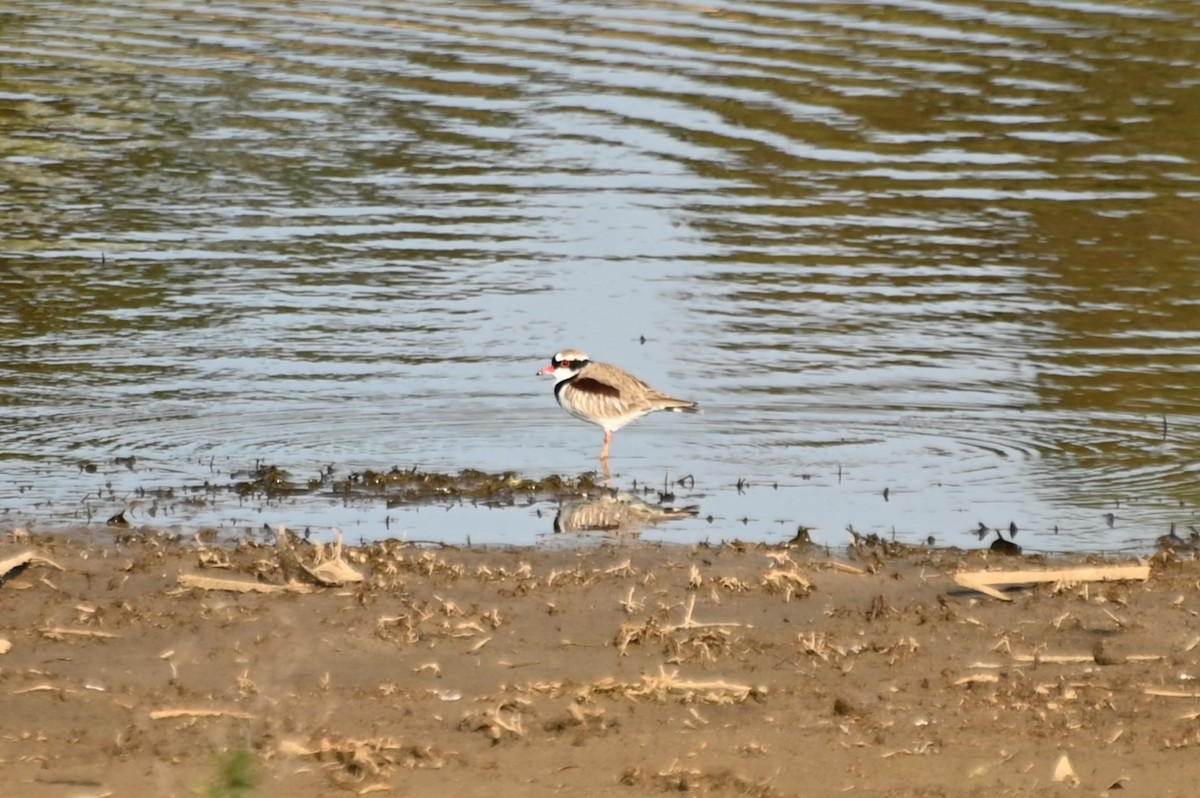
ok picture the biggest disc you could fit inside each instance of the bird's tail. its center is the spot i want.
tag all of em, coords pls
(680, 406)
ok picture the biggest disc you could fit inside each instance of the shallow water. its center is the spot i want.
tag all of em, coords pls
(924, 265)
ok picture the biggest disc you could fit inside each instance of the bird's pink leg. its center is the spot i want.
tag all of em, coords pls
(607, 442)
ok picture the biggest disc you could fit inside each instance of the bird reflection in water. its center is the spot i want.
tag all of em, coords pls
(619, 514)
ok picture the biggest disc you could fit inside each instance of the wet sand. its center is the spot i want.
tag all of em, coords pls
(616, 669)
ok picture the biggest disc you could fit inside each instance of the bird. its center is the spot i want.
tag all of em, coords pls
(606, 395)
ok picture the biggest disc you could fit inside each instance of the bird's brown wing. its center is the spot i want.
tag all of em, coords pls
(595, 387)
(634, 393)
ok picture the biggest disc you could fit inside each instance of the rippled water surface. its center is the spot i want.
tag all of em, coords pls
(925, 265)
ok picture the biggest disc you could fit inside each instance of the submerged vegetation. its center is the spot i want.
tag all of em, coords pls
(408, 486)
(136, 501)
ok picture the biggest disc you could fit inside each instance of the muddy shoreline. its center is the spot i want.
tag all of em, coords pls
(738, 669)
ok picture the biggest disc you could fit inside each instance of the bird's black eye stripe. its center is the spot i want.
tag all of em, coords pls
(571, 364)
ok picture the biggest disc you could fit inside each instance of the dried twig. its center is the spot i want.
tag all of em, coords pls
(1063, 659)
(166, 714)
(234, 585)
(58, 633)
(985, 581)
(14, 565)
(688, 623)
(1163, 692)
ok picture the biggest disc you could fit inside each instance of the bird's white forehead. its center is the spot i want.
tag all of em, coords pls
(571, 354)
